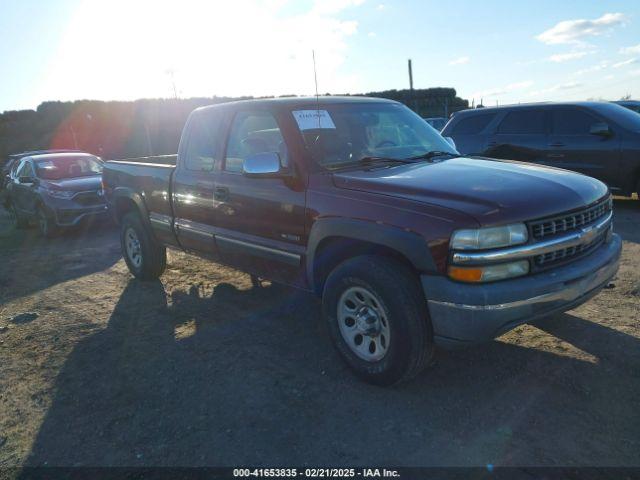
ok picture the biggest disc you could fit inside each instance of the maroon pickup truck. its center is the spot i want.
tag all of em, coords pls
(360, 201)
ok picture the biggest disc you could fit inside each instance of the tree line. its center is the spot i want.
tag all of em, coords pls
(150, 126)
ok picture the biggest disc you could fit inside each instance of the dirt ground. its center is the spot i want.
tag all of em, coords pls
(202, 369)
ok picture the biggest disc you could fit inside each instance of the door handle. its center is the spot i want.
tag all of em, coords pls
(221, 194)
(492, 144)
(556, 144)
(555, 155)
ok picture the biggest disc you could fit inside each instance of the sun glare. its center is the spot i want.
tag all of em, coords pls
(127, 50)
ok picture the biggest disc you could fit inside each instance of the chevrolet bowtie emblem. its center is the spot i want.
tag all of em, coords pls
(589, 234)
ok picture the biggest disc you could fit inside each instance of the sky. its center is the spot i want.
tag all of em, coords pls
(491, 50)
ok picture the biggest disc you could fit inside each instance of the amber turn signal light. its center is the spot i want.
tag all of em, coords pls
(465, 274)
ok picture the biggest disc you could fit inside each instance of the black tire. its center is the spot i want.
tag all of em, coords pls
(397, 289)
(152, 255)
(46, 224)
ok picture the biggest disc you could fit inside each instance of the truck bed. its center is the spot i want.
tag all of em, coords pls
(153, 159)
(147, 179)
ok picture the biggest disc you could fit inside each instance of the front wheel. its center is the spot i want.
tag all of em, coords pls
(46, 225)
(19, 221)
(378, 319)
(145, 257)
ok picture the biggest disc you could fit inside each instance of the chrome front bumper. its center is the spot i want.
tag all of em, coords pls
(472, 313)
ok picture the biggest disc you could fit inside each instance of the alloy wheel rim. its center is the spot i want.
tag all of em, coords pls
(132, 245)
(363, 324)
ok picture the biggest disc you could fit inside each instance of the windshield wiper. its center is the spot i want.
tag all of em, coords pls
(431, 154)
(373, 159)
(370, 161)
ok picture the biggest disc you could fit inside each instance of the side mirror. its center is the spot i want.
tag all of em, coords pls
(601, 129)
(26, 180)
(263, 165)
(451, 142)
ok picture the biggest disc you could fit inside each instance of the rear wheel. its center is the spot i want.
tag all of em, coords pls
(145, 257)
(378, 319)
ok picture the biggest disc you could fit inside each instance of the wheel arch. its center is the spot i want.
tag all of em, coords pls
(332, 241)
(126, 200)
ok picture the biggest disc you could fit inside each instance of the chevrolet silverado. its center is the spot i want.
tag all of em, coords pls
(409, 244)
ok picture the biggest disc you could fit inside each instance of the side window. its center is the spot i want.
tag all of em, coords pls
(14, 168)
(253, 133)
(25, 170)
(203, 142)
(524, 122)
(473, 124)
(572, 122)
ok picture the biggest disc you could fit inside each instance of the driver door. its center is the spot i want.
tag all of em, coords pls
(23, 195)
(194, 182)
(260, 220)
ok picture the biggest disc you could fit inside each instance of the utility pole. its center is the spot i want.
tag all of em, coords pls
(149, 149)
(170, 72)
(75, 139)
(412, 100)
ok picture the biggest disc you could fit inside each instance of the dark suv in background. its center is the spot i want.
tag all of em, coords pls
(599, 139)
(57, 190)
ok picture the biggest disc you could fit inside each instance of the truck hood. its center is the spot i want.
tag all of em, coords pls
(492, 191)
(80, 184)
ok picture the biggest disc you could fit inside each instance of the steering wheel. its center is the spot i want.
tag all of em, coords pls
(386, 143)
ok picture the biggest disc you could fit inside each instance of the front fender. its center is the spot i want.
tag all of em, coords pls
(410, 244)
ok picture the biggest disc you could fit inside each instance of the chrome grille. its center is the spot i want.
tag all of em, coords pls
(565, 254)
(550, 226)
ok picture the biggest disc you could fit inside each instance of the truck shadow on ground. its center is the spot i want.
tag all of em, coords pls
(248, 377)
(30, 263)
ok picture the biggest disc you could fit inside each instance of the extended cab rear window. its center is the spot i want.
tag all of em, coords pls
(205, 135)
(473, 124)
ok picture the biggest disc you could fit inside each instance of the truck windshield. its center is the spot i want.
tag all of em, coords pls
(346, 133)
(58, 168)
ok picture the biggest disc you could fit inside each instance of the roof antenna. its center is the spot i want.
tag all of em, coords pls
(315, 78)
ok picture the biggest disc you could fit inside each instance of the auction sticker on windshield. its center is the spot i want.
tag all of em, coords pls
(313, 119)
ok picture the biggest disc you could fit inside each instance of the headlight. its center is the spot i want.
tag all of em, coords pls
(493, 237)
(489, 273)
(60, 193)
